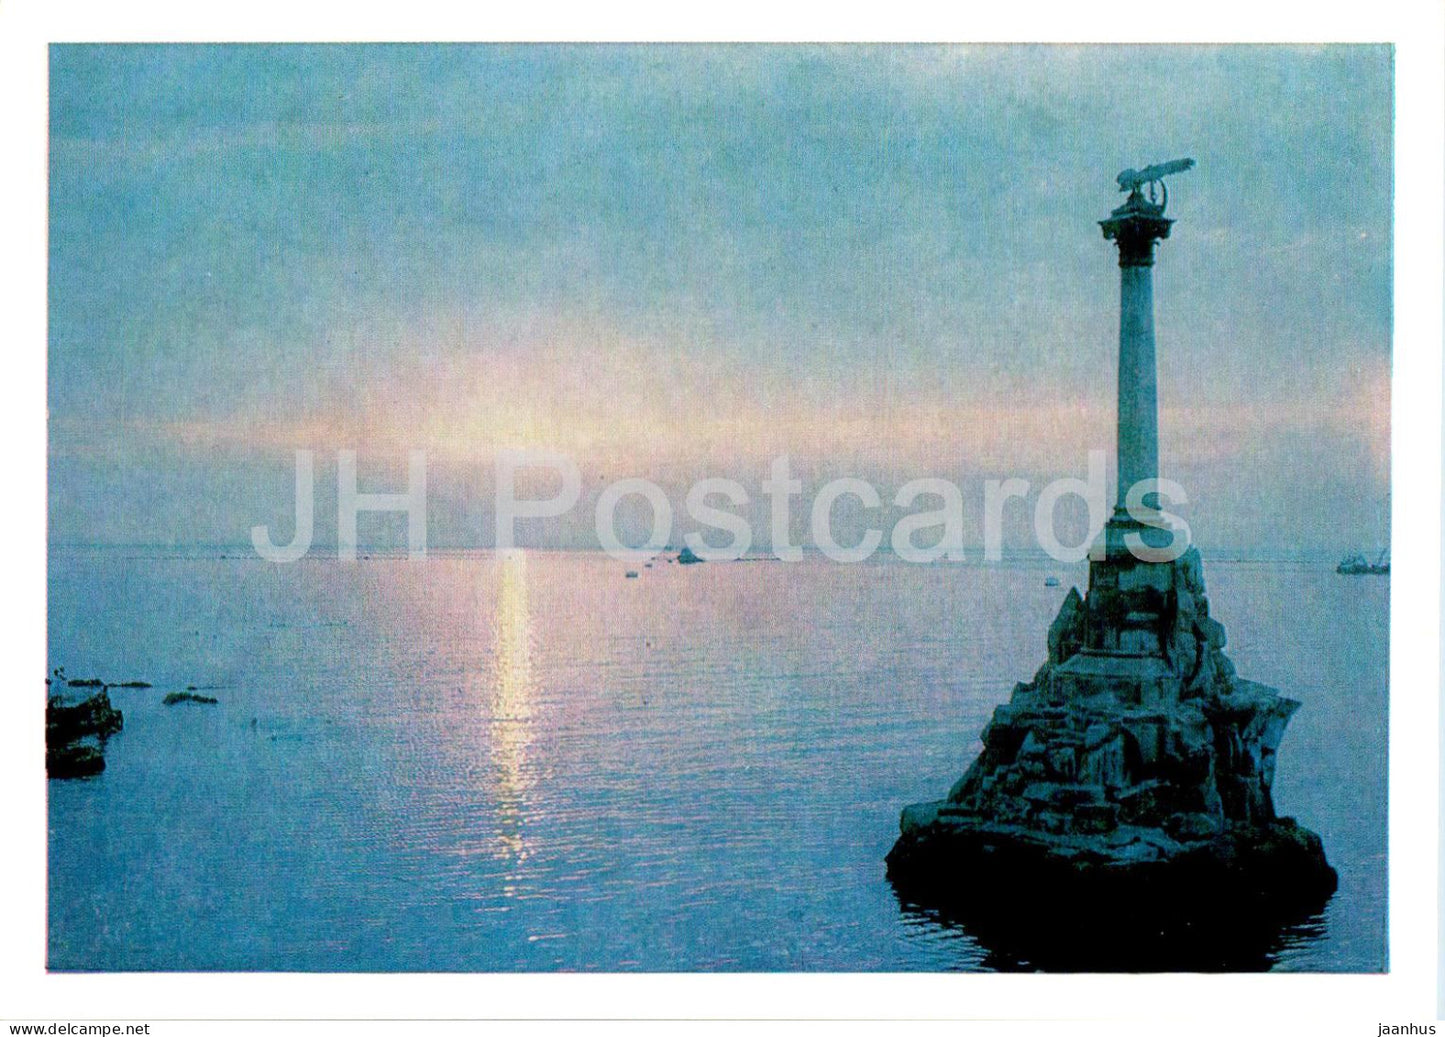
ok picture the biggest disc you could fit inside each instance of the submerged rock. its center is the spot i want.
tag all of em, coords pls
(188, 696)
(1135, 769)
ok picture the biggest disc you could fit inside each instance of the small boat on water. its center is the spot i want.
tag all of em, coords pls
(1051, 581)
(1358, 565)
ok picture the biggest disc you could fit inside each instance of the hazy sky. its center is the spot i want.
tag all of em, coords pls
(678, 261)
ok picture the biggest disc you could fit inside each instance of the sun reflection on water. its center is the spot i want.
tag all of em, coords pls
(512, 691)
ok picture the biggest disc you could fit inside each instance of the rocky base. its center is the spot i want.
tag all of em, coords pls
(1127, 786)
(1134, 901)
(1280, 864)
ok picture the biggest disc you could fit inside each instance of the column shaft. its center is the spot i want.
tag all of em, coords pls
(1138, 418)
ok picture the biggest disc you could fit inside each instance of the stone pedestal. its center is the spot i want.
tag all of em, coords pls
(1134, 768)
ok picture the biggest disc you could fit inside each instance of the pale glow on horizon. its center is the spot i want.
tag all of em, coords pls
(734, 421)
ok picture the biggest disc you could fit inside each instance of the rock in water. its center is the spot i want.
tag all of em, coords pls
(1130, 779)
(75, 733)
(176, 697)
(68, 719)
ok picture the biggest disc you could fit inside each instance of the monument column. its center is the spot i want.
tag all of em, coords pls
(1135, 226)
(1129, 781)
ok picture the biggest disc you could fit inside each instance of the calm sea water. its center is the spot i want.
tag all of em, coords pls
(529, 762)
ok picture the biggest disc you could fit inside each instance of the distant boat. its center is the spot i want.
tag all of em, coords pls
(1051, 581)
(1358, 565)
(632, 574)
(687, 557)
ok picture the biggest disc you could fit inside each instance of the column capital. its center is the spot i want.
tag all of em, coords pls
(1135, 226)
